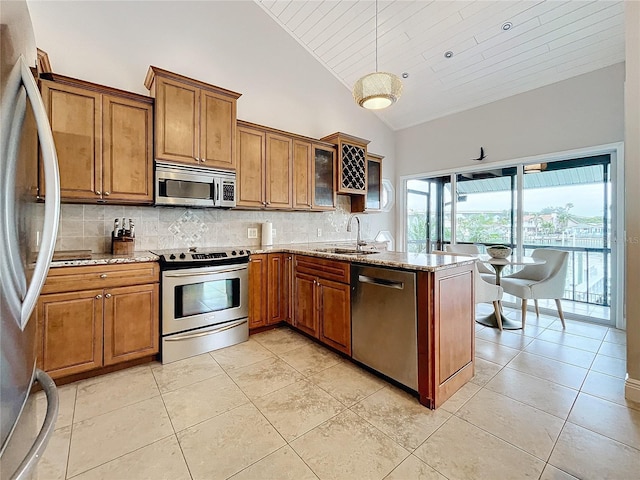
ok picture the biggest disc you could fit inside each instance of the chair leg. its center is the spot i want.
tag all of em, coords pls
(524, 311)
(559, 305)
(535, 302)
(496, 308)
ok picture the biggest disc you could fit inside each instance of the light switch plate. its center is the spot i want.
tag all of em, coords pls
(252, 233)
(273, 232)
(319, 232)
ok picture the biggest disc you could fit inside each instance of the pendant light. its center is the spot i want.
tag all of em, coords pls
(379, 89)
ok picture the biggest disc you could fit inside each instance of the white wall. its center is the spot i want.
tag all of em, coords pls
(580, 112)
(234, 45)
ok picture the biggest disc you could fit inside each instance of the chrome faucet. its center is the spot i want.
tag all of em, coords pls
(359, 242)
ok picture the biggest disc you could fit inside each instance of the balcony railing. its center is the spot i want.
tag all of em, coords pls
(588, 275)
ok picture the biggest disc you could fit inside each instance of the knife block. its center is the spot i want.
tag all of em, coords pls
(123, 246)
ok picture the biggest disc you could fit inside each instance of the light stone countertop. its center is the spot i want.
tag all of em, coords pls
(402, 260)
(107, 259)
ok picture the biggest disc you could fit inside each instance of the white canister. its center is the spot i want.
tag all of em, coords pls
(267, 234)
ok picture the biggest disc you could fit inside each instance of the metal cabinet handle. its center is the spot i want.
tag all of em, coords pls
(107, 295)
(107, 193)
(98, 192)
(104, 275)
(203, 160)
(98, 297)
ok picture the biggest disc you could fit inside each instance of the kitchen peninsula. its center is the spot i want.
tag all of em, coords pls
(310, 287)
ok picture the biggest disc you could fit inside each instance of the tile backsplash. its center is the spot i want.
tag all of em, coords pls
(89, 227)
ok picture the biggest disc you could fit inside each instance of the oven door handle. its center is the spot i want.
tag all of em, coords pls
(208, 332)
(201, 274)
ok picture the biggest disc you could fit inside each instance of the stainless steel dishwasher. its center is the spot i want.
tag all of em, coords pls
(384, 322)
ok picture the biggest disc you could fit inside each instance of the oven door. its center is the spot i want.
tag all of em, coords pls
(203, 296)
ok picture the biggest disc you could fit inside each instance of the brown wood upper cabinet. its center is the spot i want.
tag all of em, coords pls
(95, 316)
(265, 168)
(314, 182)
(195, 123)
(283, 170)
(103, 138)
(372, 201)
(352, 163)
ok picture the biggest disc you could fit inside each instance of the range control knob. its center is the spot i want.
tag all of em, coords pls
(241, 252)
(172, 257)
(248, 252)
(234, 253)
(182, 256)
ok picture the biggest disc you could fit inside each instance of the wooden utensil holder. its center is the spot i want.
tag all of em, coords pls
(123, 246)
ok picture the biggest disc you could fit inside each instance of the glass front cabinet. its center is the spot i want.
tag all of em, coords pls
(372, 200)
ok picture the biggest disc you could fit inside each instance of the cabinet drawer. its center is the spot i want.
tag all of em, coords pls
(323, 268)
(71, 279)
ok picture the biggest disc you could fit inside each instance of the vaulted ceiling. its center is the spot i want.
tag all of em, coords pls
(548, 41)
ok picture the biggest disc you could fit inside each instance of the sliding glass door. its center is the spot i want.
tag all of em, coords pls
(486, 206)
(428, 214)
(567, 206)
(564, 205)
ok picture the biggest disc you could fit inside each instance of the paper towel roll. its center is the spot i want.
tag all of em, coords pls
(267, 234)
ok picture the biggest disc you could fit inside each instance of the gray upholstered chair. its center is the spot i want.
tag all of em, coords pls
(544, 281)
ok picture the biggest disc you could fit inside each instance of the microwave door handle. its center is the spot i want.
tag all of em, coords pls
(216, 187)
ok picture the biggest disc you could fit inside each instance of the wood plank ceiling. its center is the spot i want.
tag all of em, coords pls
(549, 41)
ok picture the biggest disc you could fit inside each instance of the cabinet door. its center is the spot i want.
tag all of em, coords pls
(71, 329)
(287, 281)
(250, 175)
(130, 323)
(278, 167)
(127, 150)
(76, 122)
(258, 284)
(277, 289)
(324, 178)
(304, 310)
(177, 122)
(217, 130)
(334, 310)
(372, 201)
(302, 175)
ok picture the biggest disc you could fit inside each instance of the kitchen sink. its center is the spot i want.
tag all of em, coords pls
(346, 251)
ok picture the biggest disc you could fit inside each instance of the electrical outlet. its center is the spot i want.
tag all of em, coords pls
(319, 232)
(273, 232)
(252, 233)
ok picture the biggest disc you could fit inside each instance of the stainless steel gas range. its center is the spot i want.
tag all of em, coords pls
(205, 301)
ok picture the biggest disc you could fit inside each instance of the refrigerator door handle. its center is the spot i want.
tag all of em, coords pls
(37, 449)
(52, 200)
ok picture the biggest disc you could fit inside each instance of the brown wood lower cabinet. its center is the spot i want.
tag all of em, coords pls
(70, 326)
(84, 330)
(446, 333)
(131, 318)
(322, 306)
(269, 289)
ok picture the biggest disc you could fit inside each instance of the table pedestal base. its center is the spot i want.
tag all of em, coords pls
(507, 323)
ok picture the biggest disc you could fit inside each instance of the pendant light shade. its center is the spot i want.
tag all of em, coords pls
(379, 89)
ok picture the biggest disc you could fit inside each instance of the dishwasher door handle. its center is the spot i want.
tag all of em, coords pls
(382, 282)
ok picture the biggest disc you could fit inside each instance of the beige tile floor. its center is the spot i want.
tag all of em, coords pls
(544, 404)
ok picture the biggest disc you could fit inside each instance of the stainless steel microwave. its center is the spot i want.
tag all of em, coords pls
(194, 186)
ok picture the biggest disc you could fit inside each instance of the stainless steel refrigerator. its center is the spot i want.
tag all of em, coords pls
(28, 232)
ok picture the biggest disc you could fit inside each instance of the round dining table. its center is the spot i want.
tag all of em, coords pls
(498, 265)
